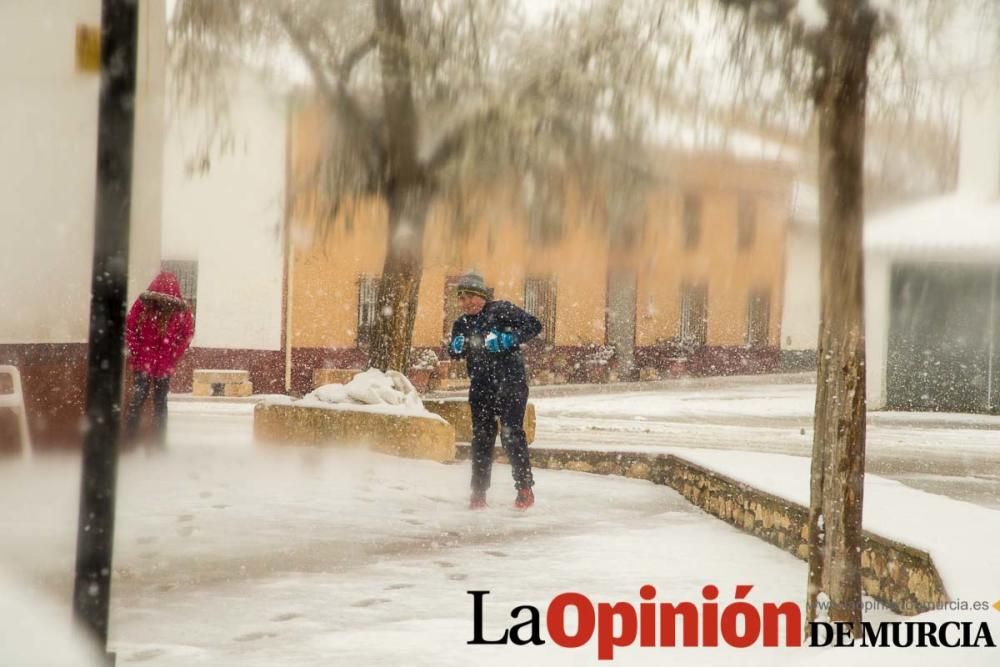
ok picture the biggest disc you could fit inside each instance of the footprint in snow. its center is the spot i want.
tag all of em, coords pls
(184, 518)
(254, 636)
(370, 602)
(397, 587)
(281, 618)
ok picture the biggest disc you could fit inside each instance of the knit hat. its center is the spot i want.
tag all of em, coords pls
(473, 283)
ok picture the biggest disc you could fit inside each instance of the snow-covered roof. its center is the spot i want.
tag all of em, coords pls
(692, 134)
(956, 227)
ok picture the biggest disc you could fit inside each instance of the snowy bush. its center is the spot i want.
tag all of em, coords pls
(424, 360)
(372, 387)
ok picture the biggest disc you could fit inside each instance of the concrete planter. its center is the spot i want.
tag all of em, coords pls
(406, 436)
(456, 411)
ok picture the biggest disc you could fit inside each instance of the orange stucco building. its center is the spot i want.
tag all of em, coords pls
(696, 288)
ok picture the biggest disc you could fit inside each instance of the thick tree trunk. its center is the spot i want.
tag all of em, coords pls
(838, 462)
(407, 194)
(400, 284)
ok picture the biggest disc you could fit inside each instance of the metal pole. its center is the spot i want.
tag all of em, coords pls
(95, 532)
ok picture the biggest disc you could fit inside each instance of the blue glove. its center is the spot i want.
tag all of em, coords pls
(457, 344)
(500, 341)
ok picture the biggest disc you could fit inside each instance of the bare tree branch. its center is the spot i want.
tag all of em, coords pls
(305, 50)
(356, 122)
(353, 57)
(397, 92)
(455, 140)
(770, 11)
(477, 58)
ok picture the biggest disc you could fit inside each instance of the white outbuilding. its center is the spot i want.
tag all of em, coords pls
(932, 282)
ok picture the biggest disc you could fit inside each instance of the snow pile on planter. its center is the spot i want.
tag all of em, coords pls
(376, 409)
(390, 389)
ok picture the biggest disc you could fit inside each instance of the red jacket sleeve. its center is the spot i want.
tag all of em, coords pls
(132, 325)
(184, 334)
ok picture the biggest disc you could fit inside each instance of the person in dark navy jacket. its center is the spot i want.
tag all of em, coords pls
(488, 336)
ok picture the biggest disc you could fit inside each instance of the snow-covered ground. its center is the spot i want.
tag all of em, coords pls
(229, 553)
(954, 454)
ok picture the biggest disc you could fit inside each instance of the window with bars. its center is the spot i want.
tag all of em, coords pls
(694, 314)
(367, 307)
(692, 220)
(186, 271)
(540, 301)
(746, 230)
(758, 317)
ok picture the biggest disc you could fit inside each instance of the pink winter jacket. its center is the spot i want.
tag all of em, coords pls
(159, 327)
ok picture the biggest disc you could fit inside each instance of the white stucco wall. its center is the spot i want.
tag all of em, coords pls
(800, 314)
(800, 319)
(230, 218)
(147, 176)
(877, 284)
(48, 154)
(979, 157)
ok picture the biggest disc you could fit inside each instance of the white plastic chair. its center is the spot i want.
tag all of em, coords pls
(15, 401)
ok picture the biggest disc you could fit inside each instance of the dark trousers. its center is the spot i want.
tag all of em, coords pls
(141, 384)
(506, 403)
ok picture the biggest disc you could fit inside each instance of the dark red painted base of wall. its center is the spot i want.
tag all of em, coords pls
(53, 377)
(710, 360)
(571, 362)
(737, 360)
(307, 359)
(267, 367)
(54, 380)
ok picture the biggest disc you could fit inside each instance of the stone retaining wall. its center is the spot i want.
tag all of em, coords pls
(900, 577)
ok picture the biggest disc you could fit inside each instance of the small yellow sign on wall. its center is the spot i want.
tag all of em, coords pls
(88, 49)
